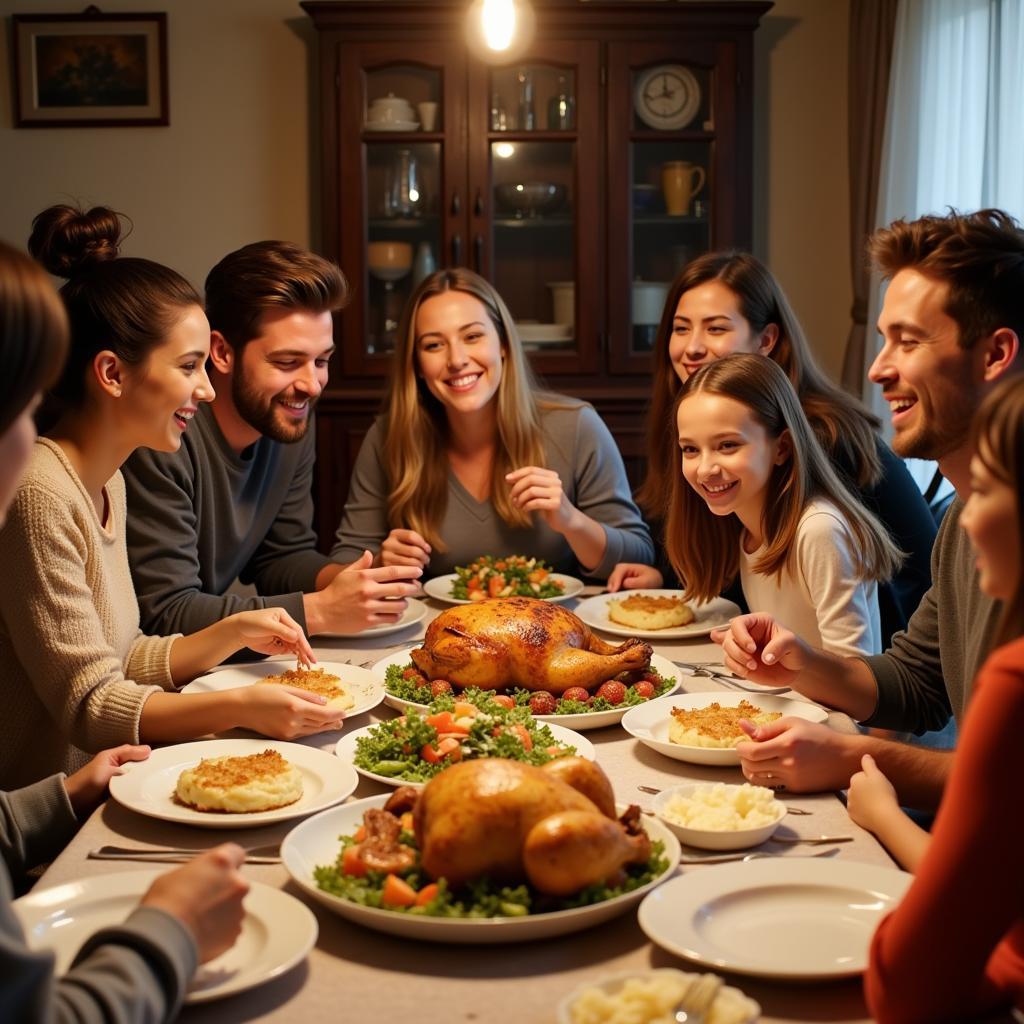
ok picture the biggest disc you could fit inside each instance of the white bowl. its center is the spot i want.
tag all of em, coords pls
(612, 983)
(708, 839)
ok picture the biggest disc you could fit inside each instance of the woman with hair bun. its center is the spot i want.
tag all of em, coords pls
(76, 674)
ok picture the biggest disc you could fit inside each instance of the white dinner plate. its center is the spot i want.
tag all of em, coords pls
(586, 721)
(440, 587)
(315, 842)
(147, 787)
(346, 750)
(277, 931)
(414, 612)
(649, 722)
(365, 687)
(717, 612)
(788, 919)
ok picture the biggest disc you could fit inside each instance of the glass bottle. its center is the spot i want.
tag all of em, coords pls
(527, 117)
(499, 119)
(561, 108)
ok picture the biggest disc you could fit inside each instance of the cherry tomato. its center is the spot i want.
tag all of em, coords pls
(504, 700)
(543, 703)
(439, 687)
(576, 693)
(645, 689)
(613, 692)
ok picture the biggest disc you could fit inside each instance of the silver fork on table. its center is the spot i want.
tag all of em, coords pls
(697, 1000)
(725, 858)
(718, 672)
(268, 854)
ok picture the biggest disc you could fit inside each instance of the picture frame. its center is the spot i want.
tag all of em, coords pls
(90, 70)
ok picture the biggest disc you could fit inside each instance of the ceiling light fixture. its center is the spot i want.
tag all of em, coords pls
(498, 31)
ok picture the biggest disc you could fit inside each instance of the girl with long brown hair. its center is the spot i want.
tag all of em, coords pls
(968, 870)
(726, 302)
(471, 458)
(757, 498)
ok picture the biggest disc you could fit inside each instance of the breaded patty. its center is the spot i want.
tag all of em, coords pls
(238, 785)
(650, 611)
(715, 726)
(316, 680)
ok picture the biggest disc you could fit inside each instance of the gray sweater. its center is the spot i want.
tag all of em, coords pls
(135, 973)
(202, 516)
(578, 447)
(929, 669)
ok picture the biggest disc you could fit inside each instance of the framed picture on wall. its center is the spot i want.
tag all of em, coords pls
(90, 70)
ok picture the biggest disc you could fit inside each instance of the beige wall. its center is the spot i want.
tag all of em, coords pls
(236, 163)
(801, 192)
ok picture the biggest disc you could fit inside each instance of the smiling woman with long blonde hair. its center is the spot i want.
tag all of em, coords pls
(469, 458)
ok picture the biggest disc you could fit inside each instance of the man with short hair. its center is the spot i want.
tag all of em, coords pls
(235, 501)
(952, 323)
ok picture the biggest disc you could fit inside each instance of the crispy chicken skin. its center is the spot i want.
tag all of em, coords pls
(511, 821)
(521, 641)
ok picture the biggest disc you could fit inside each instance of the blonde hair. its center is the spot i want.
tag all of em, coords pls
(416, 427)
(704, 548)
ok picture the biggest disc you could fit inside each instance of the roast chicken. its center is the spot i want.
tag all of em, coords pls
(553, 826)
(522, 641)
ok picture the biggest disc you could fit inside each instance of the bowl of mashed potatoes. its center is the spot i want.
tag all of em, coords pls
(716, 816)
(649, 997)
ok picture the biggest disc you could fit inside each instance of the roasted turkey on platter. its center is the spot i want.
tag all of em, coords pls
(553, 826)
(522, 641)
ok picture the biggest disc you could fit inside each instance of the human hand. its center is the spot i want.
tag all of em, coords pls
(536, 489)
(759, 648)
(404, 547)
(633, 576)
(206, 896)
(286, 712)
(271, 631)
(361, 596)
(794, 754)
(88, 786)
(871, 799)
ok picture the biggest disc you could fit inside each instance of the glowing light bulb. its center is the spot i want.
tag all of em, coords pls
(498, 20)
(504, 150)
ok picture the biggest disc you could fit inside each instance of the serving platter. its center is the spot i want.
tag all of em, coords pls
(799, 920)
(440, 588)
(147, 787)
(649, 723)
(711, 615)
(315, 842)
(278, 931)
(364, 686)
(345, 749)
(583, 722)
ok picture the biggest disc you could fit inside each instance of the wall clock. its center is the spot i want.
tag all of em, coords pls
(666, 97)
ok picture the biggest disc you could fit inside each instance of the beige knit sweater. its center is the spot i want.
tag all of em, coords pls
(75, 669)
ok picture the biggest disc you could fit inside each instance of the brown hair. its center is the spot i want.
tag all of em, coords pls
(997, 436)
(267, 277)
(125, 305)
(416, 427)
(33, 333)
(704, 548)
(841, 423)
(979, 255)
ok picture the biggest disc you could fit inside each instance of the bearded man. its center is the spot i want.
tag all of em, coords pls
(235, 501)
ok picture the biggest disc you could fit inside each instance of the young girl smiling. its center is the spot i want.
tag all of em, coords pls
(758, 498)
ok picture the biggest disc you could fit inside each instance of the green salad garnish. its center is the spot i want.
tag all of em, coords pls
(511, 576)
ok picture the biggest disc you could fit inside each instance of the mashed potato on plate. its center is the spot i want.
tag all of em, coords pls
(715, 726)
(721, 808)
(650, 611)
(240, 785)
(316, 680)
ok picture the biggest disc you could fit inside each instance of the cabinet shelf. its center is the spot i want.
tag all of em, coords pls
(414, 224)
(518, 223)
(668, 220)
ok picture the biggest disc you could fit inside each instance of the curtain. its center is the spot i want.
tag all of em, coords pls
(872, 28)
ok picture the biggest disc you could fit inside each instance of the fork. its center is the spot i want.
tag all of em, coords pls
(655, 791)
(712, 670)
(724, 858)
(268, 854)
(697, 1000)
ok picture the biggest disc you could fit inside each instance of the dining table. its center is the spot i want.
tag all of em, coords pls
(359, 975)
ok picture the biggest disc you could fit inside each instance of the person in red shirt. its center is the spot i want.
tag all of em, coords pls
(954, 948)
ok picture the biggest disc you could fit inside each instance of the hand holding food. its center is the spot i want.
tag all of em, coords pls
(271, 631)
(88, 786)
(757, 647)
(536, 489)
(286, 712)
(313, 680)
(404, 547)
(206, 896)
(634, 576)
(871, 799)
(524, 642)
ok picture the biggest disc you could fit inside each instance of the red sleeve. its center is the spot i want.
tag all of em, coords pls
(955, 945)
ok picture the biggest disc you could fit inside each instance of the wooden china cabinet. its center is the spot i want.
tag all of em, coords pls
(578, 179)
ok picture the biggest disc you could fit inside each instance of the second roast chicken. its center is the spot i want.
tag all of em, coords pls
(522, 641)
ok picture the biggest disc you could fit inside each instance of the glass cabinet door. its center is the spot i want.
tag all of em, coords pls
(663, 176)
(534, 177)
(405, 180)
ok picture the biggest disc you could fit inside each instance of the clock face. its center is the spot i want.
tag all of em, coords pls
(666, 97)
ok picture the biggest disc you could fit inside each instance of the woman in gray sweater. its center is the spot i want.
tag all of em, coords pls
(471, 459)
(138, 971)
